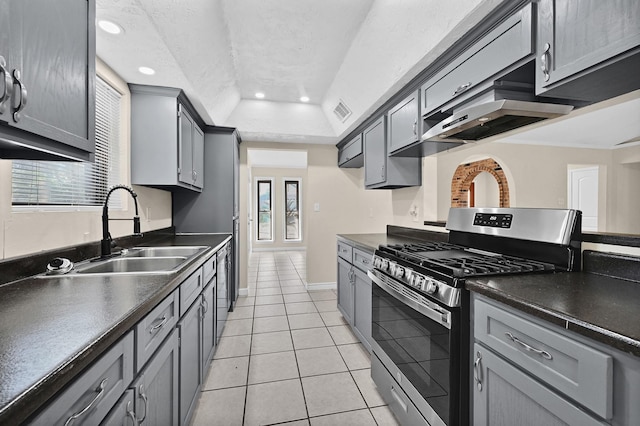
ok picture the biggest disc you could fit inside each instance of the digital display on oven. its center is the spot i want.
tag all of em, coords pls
(493, 220)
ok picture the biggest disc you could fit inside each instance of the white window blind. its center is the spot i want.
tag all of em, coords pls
(59, 183)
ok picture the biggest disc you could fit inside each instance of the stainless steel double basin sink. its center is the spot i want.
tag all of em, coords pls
(142, 260)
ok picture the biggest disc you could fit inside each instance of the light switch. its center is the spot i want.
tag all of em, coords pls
(316, 207)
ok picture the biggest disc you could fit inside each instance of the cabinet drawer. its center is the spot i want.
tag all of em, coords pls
(151, 331)
(507, 44)
(577, 370)
(345, 251)
(362, 259)
(97, 390)
(209, 269)
(351, 154)
(189, 290)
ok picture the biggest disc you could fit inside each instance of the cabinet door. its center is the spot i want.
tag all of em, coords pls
(345, 290)
(208, 326)
(375, 153)
(576, 35)
(190, 350)
(156, 388)
(198, 157)
(53, 56)
(185, 146)
(222, 298)
(123, 414)
(5, 70)
(362, 307)
(404, 122)
(504, 395)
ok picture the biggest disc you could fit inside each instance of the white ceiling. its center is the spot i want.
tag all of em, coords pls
(221, 52)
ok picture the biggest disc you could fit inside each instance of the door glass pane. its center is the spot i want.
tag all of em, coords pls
(264, 210)
(292, 210)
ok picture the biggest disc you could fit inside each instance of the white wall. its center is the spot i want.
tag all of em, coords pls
(28, 232)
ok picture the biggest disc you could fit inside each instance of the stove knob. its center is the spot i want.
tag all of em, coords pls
(399, 272)
(430, 287)
(385, 264)
(377, 262)
(417, 281)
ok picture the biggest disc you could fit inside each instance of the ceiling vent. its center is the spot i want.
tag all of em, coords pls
(341, 111)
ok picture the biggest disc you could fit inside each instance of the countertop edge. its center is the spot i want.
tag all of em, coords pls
(27, 403)
(588, 330)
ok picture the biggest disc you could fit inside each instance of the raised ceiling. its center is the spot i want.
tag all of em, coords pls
(221, 52)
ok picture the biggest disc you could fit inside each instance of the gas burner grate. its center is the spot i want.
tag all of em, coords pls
(475, 265)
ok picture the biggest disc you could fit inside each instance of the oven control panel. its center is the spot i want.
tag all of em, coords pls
(493, 220)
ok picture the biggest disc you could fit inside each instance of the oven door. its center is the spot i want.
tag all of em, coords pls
(422, 340)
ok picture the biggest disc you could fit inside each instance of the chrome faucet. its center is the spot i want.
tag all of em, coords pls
(106, 241)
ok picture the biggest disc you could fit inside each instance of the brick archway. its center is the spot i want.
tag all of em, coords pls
(466, 173)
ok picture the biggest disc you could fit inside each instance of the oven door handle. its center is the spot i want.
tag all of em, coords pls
(441, 317)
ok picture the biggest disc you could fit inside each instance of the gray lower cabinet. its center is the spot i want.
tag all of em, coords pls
(345, 290)
(123, 414)
(190, 355)
(156, 388)
(382, 171)
(208, 326)
(47, 79)
(91, 396)
(167, 140)
(527, 371)
(587, 49)
(354, 290)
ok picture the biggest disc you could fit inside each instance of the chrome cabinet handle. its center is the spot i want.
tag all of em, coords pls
(143, 396)
(365, 261)
(131, 414)
(205, 306)
(477, 371)
(100, 392)
(403, 404)
(461, 88)
(415, 127)
(4, 96)
(158, 326)
(543, 354)
(23, 96)
(382, 172)
(194, 174)
(545, 61)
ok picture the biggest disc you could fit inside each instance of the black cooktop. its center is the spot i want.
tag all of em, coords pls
(459, 261)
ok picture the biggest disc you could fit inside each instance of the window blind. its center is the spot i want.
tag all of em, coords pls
(57, 183)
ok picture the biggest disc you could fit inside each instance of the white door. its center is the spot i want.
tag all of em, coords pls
(583, 195)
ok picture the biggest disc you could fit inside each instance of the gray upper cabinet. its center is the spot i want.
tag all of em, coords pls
(588, 49)
(382, 171)
(167, 141)
(350, 155)
(405, 124)
(507, 46)
(47, 79)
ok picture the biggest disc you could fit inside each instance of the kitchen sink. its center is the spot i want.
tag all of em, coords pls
(168, 251)
(130, 265)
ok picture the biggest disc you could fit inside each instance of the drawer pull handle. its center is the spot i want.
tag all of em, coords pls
(543, 354)
(403, 404)
(159, 325)
(100, 392)
(365, 261)
(23, 95)
(131, 414)
(461, 88)
(8, 84)
(143, 396)
(477, 371)
(545, 60)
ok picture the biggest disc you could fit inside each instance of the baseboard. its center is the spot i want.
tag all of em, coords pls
(321, 286)
(243, 291)
(263, 249)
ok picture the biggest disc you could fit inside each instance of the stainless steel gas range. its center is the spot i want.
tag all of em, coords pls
(420, 309)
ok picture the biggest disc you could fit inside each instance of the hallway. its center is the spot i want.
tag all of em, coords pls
(287, 357)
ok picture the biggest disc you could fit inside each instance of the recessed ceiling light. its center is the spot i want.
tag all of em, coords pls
(304, 99)
(259, 95)
(147, 70)
(109, 27)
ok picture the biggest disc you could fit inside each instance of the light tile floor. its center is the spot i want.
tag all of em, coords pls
(287, 357)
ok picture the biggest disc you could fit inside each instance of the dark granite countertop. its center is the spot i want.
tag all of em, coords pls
(53, 328)
(599, 307)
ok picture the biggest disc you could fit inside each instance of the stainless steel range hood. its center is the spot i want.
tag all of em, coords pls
(491, 118)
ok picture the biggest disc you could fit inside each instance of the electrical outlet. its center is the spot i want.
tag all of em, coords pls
(414, 213)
